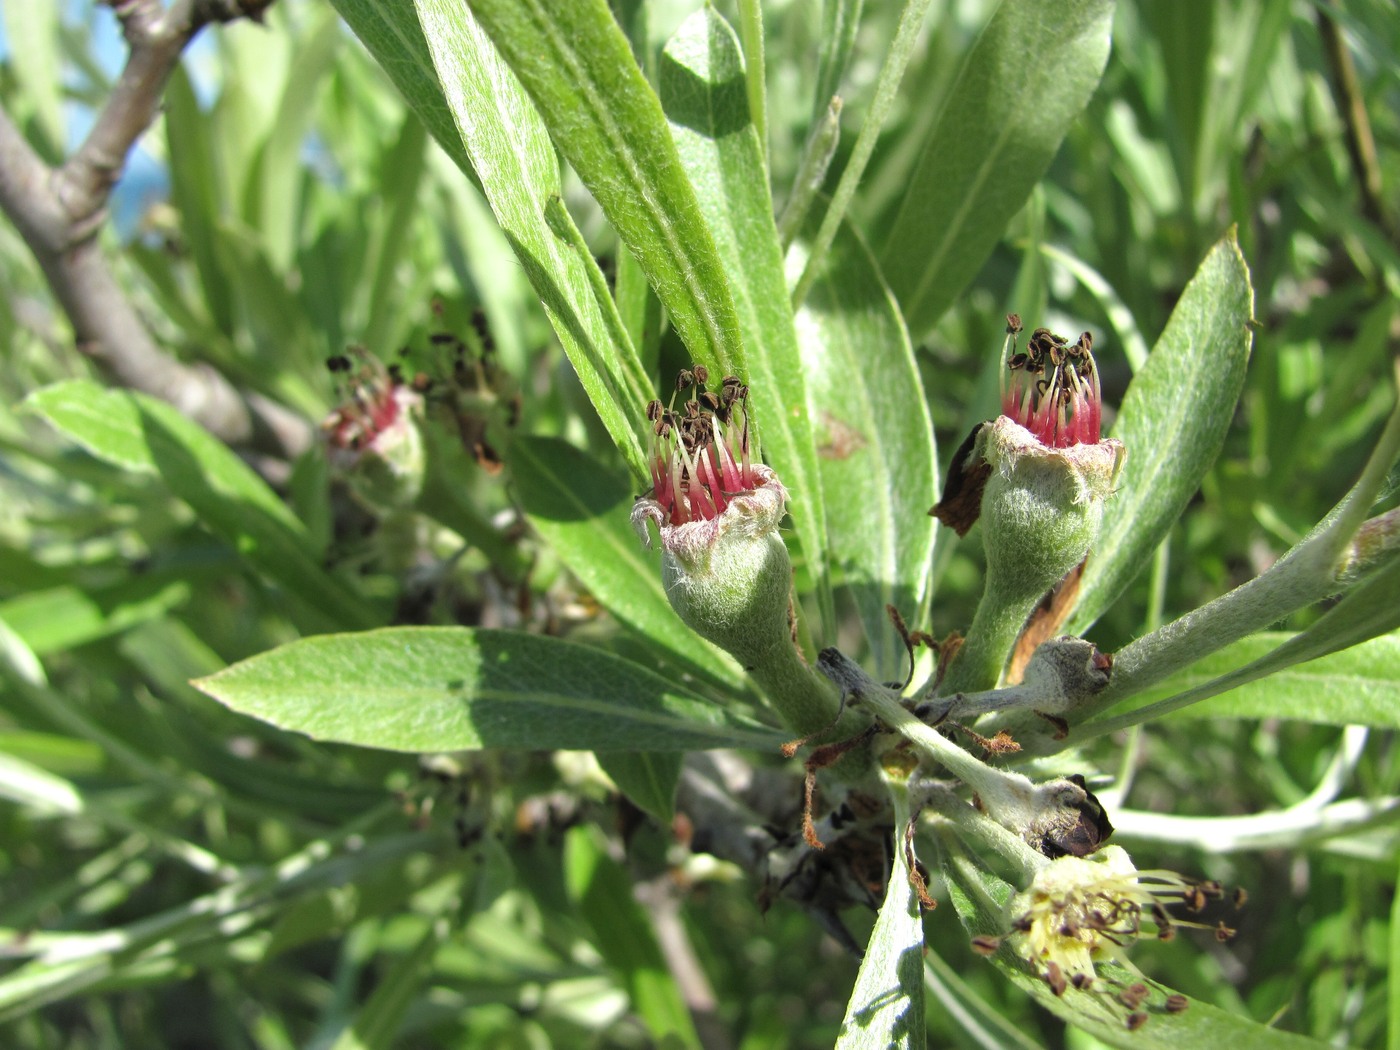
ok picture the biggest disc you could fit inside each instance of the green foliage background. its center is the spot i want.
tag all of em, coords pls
(176, 874)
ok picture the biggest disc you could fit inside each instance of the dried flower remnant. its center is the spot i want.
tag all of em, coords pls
(700, 455)
(466, 392)
(373, 435)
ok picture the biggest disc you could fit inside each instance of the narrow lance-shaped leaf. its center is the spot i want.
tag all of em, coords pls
(1370, 609)
(511, 153)
(1173, 423)
(601, 891)
(647, 778)
(1357, 686)
(146, 436)
(581, 509)
(605, 119)
(452, 688)
(886, 1009)
(878, 460)
(1026, 80)
(704, 95)
(453, 78)
(389, 29)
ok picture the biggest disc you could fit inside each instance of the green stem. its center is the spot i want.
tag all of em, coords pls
(973, 772)
(807, 702)
(891, 73)
(995, 628)
(811, 173)
(751, 39)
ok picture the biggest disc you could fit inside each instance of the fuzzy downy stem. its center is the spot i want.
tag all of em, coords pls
(988, 645)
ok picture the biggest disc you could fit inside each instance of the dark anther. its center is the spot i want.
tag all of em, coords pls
(1132, 996)
(702, 374)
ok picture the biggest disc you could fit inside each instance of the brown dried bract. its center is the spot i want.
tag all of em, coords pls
(961, 504)
(1045, 622)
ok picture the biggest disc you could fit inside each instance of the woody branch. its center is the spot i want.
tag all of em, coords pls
(59, 211)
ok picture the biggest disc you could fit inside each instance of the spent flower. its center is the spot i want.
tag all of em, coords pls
(373, 435)
(725, 567)
(1037, 477)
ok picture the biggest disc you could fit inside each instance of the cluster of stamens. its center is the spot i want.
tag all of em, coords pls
(1079, 910)
(700, 452)
(1053, 388)
(373, 402)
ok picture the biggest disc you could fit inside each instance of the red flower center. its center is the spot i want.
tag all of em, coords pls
(700, 453)
(1053, 388)
(369, 408)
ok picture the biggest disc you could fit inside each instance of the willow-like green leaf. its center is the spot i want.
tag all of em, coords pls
(578, 68)
(878, 461)
(1358, 686)
(601, 891)
(146, 436)
(454, 688)
(1172, 423)
(886, 1009)
(1026, 80)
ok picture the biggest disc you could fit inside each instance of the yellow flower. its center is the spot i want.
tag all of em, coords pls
(1079, 910)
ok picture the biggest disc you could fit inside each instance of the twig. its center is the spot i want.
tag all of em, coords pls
(60, 211)
(658, 899)
(1276, 829)
(1351, 105)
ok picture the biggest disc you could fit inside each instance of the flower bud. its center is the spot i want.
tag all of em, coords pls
(373, 437)
(1061, 674)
